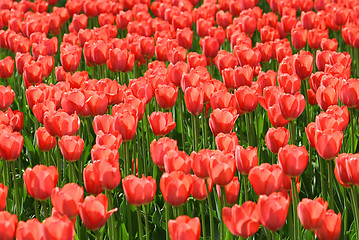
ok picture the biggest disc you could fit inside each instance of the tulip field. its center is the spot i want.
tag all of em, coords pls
(179, 119)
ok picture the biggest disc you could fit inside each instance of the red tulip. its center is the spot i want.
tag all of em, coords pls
(193, 98)
(35, 179)
(175, 187)
(242, 221)
(326, 96)
(210, 46)
(110, 140)
(299, 37)
(221, 121)
(93, 211)
(139, 191)
(31, 229)
(161, 123)
(8, 224)
(347, 168)
(126, 125)
(266, 178)
(329, 44)
(6, 67)
(11, 145)
(273, 210)
(246, 98)
(293, 160)
(246, 159)
(222, 168)
(108, 173)
(311, 213)
(303, 65)
(291, 106)
(103, 123)
(227, 142)
(243, 76)
(59, 123)
(185, 38)
(56, 228)
(3, 195)
(349, 93)
(276, 138)
(71, 147)
(175, 160)
(200, 163)
(184, 227)
(159, 148)
(199, 189)
(330, 229)
(328, 143)
(166, 95)
(232, 191)
(66, 200)
(7, 96)
(290, 83)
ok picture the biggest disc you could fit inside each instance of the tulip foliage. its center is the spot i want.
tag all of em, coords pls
(186, 119)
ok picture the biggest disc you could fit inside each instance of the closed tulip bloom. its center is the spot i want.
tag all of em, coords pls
(243, 76)
(311, 213)
(44, 140)
(221, 120)
(79, 21)
(176, 160)
(159, 148)
(184, 227)
(111, 140)
(59, 123)
(193, 98)
(242, 221)
(326, 96)
(199, 190)
(293, 160)
(275, 116)
(200, 163)
(328, 143)
(139, 191)
(126, 125)
(176, 187)
(290, 83)
(210, 46)
(329, 44)
(310, 131)
(11, 145)
(7, 96)
(222, 168)
(166, 95)
(349, 93)
(227, 142)
(40, 181)
(247, 99)
(273, 210)
(8, 224)
(109, 175)
(232, 191)
(57, 228)
(291, 106)
(266, 178)
(185, 38)
(71, 147)
(93, 211)
(161, 123)
(104, 153)
(30, 230)
(276, 138)
(246, 159)
(3, 196)
(103, 123)
(66, 200)
(223, 99)
(91, 180)
(348, 166)
(331, 226)
(299, 37)
(303, 65)
(6, 67)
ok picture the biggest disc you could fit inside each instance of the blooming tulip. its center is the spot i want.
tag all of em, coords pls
(139, 191)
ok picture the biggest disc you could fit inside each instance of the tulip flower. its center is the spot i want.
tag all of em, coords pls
(276, 138)
(291, 106)
(175, 187)
(166, 95)
(139, 191)
(35, 178)
(93, 211)
(232, 191)
(184, 227)
(108, 174)
(242, 221)
(7, 96)
(311, 213)
(44, 140)
(3, 196)
(193, 98)
(59, 123)
(328, 143)
(71, 147)
(31, 229)
(273, 210)
(222, 168)
(200, 163)
(91, 180)
(227, 142)
(246, 159)
(221, 121)
(11, 145)
(6, 67)
(66, 200)
(126, 125)
(159, 148)
(331, 226)
(55, 228)
(293, 160)
(199, 188)
(110, 140)
(161, 123)
(246, 99)
(8, 224)
(175, 160)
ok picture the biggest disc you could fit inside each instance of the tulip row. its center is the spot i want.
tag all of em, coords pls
(106, 90)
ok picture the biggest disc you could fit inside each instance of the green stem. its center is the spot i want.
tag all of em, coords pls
(167, 210)
(240, 130)
(58, 162)
(204, 127)
(129, 220)
(203, 217)
(5, 170)
(97, 235)
(352, 129)
(291, 132)
(322, 183)
(249, 137)
(126, 158)
(111, 223)
(210, 212)
(146, 222)
(180, 105)
(139, 223)
(313, 235)
(143, 148)
(330, 178)
(355, 207)
(245, 187)
(305, 88)
(295, 204)
(73, 172)
(16, 190)
(44, 208)
(37, 214)
(196, 133)
(223, 204)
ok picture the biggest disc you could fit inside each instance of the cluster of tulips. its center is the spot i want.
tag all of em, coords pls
(197, 119)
